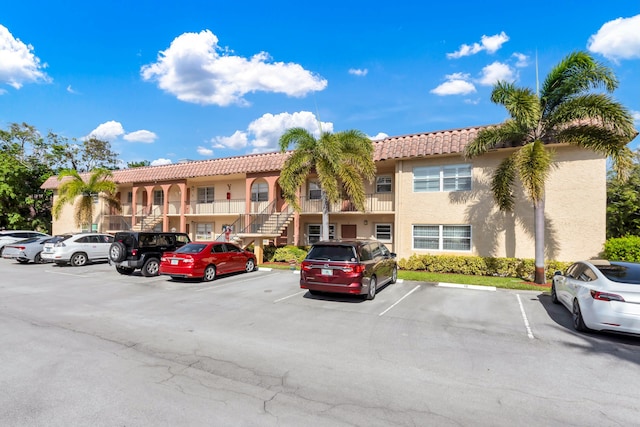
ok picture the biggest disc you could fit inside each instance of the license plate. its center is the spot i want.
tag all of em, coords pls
(174, 262)
(326, 272)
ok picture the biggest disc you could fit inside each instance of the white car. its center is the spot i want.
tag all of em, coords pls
(78, 249)
(12, 236)
(601, 295)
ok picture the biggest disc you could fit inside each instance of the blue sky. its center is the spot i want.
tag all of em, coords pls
(166, 81)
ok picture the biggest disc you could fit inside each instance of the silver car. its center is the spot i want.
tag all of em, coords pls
(28, 250)
(79, 249)
(11, 236)
(601, 295)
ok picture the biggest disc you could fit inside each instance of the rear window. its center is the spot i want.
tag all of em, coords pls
(191, 248)
(332, 253)
(622, 272)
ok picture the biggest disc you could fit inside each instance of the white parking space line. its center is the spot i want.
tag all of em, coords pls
(459, 286)
(290, 296)
(72, 274)
(524, 317)
(219, 285)
(398, 302)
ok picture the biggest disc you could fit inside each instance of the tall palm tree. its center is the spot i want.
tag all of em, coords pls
(80, 193)
(566, 110)
(342, 160)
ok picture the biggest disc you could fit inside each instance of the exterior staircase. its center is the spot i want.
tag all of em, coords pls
(149, 222)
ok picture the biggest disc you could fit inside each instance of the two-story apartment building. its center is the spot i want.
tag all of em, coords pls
(426, 198)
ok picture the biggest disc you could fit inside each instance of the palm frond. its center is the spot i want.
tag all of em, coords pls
(489, 138)
(296, 137)
(522, 104)
(533, 163)
(502, 184)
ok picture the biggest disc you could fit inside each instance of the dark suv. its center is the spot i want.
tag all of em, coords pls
(132, 249)
(348, 266)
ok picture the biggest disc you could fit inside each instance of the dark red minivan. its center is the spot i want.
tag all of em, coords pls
(356, 267)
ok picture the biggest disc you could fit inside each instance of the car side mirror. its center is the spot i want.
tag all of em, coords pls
(557, 273)
(393, 254)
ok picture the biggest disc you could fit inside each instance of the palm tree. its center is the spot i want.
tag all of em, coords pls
(341, 160)
(81, 193)
(565, 111)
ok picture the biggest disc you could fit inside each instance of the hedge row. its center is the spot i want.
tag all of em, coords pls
(623, 249)
(479, 266)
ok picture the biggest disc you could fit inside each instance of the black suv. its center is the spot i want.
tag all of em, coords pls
(132, 249)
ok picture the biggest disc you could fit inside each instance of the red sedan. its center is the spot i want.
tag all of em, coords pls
(206, 260)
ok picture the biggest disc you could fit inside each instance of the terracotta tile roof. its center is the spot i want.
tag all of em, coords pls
(396, 147)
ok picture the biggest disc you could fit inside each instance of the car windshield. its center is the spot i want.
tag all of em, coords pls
(332, 253)
(622, 272)
(191, 248)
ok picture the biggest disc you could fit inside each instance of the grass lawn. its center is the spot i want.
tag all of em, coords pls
(421, 276)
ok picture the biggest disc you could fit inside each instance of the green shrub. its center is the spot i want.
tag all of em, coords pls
(478, 266)
(623, 249)
(288, 253)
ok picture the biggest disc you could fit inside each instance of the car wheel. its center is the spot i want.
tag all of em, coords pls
(372, 289)
(125, 270)
(209, 273)
(578, 321)
(22, 261)
(151, 267)
(79, 259)
(38, 259)
(394, 275)
(117, 252)
(554, 295)
(250, 266)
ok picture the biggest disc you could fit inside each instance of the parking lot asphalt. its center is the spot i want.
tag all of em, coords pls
(87, 346)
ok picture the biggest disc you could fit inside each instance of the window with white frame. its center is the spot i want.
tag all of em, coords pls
(315, 192)
(129, 196)
(442, 237)
(158, 197)
(442, 178)
(205, 194)
(259, 192)
(383, 184)
(383, 232)
(203, 231)
(314, 232)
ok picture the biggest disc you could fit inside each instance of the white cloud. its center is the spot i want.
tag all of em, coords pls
(636, 116)
(263, 134)
(358, 71)
(495, 72)
(456, 84)
(522, 60)
(617, 39)
(236, 141)
(195, 69)
(203, 151)
(378, 137)
(18, 65)
(144, 136)
(160, 162)
(489, 43)
(108, 131)
(71, 90)
(472, 101)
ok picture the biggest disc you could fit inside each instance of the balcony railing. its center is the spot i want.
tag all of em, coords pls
(378, 202)
(220, 206)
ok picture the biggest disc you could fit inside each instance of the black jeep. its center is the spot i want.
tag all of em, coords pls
(142, 249)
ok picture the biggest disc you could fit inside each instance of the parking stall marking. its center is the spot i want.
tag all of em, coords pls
(524, 317)
(398, 302)
(290, 296)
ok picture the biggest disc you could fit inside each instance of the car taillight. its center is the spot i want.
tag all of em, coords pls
(60, 245)
(357, 268)
(18, 247)
(134, 252)
(188, 260)
(604, 296)
(163, 259)
(305, 266)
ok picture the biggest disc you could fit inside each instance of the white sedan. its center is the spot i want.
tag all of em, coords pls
(601, 295)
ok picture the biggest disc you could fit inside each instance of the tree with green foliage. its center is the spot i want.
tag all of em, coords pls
(139, 164)
(566, 110)
(341, 160)
(623, 202)
(80, 193)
